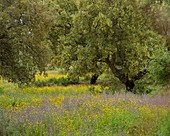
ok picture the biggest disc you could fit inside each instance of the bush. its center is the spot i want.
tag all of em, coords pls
(113, 87)
(95, 91)
(158, 73)
(144, 89)
(159, 68)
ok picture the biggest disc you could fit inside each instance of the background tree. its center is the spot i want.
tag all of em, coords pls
(24, 47)
(159, 68)
(159, 13)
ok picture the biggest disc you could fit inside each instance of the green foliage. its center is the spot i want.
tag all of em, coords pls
(107, 87)
(144, 88)
(87, 37)
(1, 90)
(111, 85)
(95, 91)
(24, 47)
(159, 67)
(61, 37)
(158, 12)
(107, 34)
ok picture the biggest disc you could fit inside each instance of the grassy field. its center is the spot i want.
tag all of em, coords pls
(80, 110)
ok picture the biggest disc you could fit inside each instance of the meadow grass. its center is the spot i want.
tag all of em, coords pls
(75, 110)
(50, 74)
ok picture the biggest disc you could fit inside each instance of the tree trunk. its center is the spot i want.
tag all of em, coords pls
(129, 85)
(94, 79)
(123, 77)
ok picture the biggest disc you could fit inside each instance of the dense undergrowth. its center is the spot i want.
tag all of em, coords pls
(81, 110)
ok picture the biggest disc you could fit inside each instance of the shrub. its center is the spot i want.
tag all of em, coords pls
(159, 68)
(94, 90)
(143, 87)
(158, 74)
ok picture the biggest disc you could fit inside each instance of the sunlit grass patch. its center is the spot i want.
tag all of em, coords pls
(53, 78)
(71, 89)
(50, 74)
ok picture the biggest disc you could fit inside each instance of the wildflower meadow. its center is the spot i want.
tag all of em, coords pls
(75, 110)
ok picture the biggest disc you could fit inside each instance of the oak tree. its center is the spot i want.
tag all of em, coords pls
(24, 44)
(115, 33)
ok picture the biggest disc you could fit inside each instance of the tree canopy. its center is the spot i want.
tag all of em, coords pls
(24, 47)
(83, 36)
(113, 33)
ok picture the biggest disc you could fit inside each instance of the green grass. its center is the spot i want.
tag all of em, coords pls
(80, 110)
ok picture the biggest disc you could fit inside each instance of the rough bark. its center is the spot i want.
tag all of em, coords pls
(94, 79)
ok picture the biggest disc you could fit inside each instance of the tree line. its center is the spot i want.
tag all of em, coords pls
(130, 38)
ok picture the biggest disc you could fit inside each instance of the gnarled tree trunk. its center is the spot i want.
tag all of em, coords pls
(124, 78)
(94, 79)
